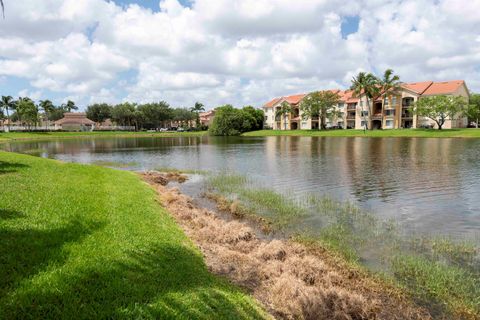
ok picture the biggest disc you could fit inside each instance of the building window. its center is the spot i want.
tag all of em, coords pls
(385, 101)
(394, 100)
(389, 112)
(362, 124)
(364, 114)
(341, 105)
(266, 118)
(389, 124)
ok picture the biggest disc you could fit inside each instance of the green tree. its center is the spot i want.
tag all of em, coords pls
(124, 114)
(197, 108)
(366, 84)
(257, 115)
(99, 112)
(153, 115)
(472, 111)
(439, 108)
(230, 121)
(56, 114)
(319, 104)
(284, 111)
(69, 106)
(7, 103)
(47, 107)
(183, 116)
(390, 83)
(27, 111)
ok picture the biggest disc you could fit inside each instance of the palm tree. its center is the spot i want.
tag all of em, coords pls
(285, 110)
(197, 109)
(7, 103)
(388, 84)
(366, 84)
(47, 107)
(69, 106)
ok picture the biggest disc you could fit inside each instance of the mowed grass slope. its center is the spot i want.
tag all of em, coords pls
(90, 242)
(408, 133)
(9, 136)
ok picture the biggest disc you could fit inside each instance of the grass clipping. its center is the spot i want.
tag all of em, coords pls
(291, 280)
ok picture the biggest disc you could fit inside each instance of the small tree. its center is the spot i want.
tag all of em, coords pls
(27, 111)
(472, 111)
(284, 111)
(69, 106)
(319, 104)
(369, 85)
(199, 107)
(439, 108)
(7, 103)
(99, 112)
(47, 107)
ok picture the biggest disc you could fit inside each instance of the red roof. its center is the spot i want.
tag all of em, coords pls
(271, 103)
(443, 87)
(295, 99)
(418, 87)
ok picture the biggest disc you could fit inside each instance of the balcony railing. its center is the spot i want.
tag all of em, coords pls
(351, 107)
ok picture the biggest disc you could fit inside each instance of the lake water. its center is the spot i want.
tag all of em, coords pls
(428, 185)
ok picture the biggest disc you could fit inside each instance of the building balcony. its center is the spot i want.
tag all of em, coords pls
(377, 116)
(352, 107)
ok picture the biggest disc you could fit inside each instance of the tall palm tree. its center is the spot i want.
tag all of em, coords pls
(366, 84)
(69, 106)
(197, 109)
(6, 103)
(390, 83)
(47, 107)
(284, 111)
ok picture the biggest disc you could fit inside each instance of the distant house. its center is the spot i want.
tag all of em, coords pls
(206, 118)
(72, 121)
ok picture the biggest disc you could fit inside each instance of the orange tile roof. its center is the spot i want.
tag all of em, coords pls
(295, 98)
(443, 87)
(418, 87)
(271, 103)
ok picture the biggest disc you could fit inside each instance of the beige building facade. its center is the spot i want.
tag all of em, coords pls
(392, 111)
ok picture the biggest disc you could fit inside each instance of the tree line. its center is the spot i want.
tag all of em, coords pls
(141, 116)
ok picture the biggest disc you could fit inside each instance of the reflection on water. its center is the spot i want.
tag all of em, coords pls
(427, 184)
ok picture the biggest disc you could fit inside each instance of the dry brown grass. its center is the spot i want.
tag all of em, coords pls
(292, 280)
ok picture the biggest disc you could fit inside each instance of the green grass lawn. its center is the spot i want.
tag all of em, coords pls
(8, 136)
(420, 133)
(86, 242)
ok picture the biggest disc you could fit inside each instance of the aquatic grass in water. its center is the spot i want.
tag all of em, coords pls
(177, 170)
(442, 274)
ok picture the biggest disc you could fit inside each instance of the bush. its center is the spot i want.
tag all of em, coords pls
(230, 121)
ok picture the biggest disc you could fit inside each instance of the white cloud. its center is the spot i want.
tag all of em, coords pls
(231, 51)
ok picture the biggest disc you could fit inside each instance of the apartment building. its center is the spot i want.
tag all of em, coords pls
(389, 112)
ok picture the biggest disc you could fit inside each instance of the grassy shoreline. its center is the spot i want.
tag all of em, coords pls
(13, 136)
(393, 133)
(92, 241)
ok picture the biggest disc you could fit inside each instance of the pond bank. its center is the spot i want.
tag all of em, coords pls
(290, 279)
(390, 133)
(26, 136)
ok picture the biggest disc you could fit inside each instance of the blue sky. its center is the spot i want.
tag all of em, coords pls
(241, 52)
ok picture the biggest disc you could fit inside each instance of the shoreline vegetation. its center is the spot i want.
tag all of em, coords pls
(439, 273)
(13, 136)
(92, 241)
(292, 280)
(390, 133)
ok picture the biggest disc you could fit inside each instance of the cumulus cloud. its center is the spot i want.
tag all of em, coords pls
(230, 51)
